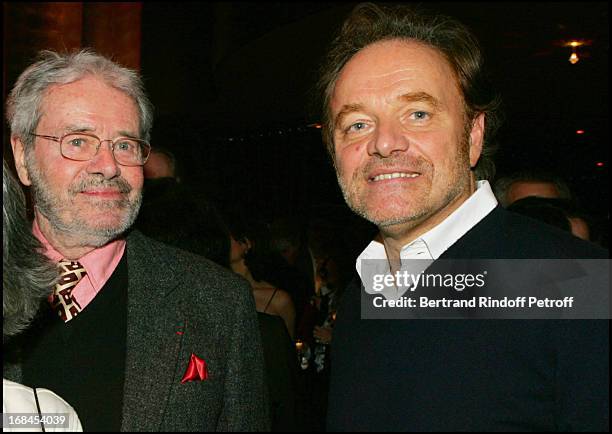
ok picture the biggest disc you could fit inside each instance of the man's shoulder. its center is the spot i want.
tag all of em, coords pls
(504, 234)
(193, 270)
(140, 245)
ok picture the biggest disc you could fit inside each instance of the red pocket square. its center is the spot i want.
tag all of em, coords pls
(196, 370)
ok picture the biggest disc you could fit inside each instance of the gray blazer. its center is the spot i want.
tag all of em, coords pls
(179, 304)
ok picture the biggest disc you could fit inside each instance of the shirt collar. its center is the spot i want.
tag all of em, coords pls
(99, 263)
(464, 218)
(437, 240)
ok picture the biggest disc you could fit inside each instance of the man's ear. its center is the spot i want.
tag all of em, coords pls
(19, 156)
(476, 138)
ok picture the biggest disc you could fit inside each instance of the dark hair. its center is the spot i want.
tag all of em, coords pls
(262, 260)
(369, 23)
(546, 210)
(503, 184)
(27, 275)
(285, 232)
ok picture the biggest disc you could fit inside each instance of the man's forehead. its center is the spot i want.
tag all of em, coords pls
(382, 79)
(82, 85)
(391, 66)
(88, 104)
(87, 89)
(534, 186)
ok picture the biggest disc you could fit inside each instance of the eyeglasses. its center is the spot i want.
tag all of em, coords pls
(84, 147)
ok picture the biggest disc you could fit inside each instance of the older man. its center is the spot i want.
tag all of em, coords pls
(408, 122)
(137, 335)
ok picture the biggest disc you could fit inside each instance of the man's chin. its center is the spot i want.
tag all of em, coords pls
(385, 218)
(98, 236)
(106, 216)
(393, 212)
(393, 220)
(96, 230)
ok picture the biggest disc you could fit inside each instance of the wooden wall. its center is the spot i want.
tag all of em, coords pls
(112, 29)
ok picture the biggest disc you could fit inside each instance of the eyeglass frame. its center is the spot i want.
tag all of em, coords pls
(113, 142)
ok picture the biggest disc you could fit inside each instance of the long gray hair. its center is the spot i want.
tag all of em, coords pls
(27, 275)
(23, 106)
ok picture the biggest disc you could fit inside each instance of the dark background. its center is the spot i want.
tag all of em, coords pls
(238, 109)
(231, 83)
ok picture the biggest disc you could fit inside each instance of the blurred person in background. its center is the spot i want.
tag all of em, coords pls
(252, 258)
(526, 183)
(289, 238)
(160, 164)
(558, 212)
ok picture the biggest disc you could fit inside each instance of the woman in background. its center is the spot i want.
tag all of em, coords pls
(252, 258)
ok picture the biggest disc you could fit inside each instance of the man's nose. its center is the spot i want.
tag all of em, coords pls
(104, 161)
(388, 138)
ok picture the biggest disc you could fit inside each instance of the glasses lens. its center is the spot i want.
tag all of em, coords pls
(79, 146)
(131, 152)
(127, 151)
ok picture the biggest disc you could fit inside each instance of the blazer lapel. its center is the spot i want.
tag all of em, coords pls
(153, 344)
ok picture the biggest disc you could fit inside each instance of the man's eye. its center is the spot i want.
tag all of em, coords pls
(356, 127)
(124, 146)
(78, 142)
(420, 115)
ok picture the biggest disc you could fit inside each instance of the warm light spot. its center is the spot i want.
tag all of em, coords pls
(318, 126)
(599, 164)
(579, 131)
(574, 59)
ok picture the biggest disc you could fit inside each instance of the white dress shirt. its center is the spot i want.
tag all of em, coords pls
(429, 246)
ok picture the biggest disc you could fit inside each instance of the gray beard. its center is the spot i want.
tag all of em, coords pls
(79, 231)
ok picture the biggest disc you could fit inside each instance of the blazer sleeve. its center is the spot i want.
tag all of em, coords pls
(246, 398)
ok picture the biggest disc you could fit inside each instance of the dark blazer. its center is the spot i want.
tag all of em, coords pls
(477, 374)
(179, 304)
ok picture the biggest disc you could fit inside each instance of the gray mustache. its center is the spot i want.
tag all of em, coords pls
(120, 184)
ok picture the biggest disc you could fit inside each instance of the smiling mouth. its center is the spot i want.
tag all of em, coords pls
(394, 175)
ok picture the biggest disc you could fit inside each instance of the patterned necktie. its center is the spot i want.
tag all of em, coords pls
(71, 272)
